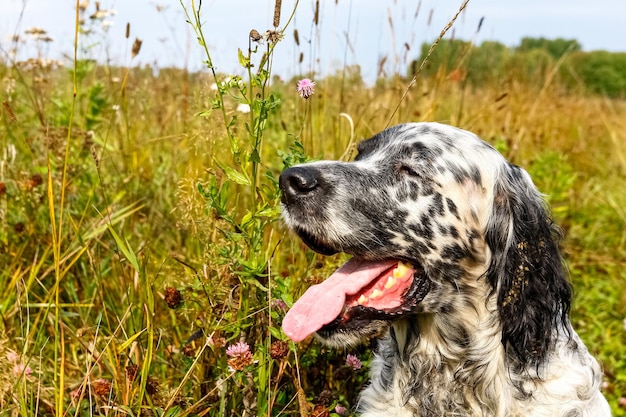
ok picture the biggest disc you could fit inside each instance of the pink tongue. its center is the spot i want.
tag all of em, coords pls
(322, 303)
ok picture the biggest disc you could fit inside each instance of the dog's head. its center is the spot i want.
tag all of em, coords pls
(434, 219)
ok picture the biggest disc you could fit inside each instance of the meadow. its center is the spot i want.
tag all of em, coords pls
(145, 269)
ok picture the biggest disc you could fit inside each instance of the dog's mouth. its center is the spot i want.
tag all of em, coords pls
(359, 291)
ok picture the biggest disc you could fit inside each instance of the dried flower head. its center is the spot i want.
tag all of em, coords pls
(325, 397)
(131, 372)
(152, 386)
(353, 362)
(320, 410)
(101, 387)
(240, 356)
(306, 88)
(273, 36)
(189, 350)
(279, 349)
(36, 180)
(255, 36)
(173, 297)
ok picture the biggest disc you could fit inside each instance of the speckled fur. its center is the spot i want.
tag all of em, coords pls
(491, 337)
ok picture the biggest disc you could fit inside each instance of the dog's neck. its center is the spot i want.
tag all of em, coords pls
(447, 349)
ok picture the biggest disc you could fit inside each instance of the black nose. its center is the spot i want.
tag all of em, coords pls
(297, 181)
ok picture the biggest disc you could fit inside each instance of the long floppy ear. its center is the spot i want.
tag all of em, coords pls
(526, 269)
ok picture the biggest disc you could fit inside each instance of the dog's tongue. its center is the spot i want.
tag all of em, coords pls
(322, 303)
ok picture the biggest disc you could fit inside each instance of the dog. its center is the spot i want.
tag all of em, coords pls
(455, 266)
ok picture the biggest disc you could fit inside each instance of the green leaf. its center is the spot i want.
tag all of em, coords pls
(254, 156)
(234, 175)
(204, 113)
(125, 248)
(277, 333)
(121, 348)
(243, 61)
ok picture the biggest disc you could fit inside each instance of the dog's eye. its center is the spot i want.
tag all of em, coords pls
(407, 170)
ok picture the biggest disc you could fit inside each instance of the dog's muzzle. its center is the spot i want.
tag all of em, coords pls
(297, 182)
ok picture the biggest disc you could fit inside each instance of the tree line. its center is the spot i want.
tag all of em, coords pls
(532, 61)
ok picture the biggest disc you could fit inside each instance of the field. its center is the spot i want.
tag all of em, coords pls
(145, 268)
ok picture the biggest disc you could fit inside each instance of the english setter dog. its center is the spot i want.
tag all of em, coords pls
(455, 264)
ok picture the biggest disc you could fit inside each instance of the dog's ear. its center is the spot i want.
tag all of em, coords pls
(526, 270)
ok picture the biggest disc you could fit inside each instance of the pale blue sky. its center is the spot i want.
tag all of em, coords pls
(167, 39)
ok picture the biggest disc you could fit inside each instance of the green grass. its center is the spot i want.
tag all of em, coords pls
(146, 188)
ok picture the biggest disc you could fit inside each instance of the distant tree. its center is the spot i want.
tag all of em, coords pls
(555, 47)
(599, 71)
(446, 56)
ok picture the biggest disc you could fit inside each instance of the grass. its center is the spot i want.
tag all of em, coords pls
(140, 235)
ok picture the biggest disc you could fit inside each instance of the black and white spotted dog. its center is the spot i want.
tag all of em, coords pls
(456, 264)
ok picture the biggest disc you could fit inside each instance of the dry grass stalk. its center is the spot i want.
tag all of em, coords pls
(277, 6)
(430, 51)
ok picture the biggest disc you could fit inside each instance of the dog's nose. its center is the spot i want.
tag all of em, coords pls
(297, 181)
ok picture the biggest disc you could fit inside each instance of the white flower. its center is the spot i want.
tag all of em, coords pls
(243, 108)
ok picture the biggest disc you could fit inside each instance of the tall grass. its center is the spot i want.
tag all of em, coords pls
(140, 238)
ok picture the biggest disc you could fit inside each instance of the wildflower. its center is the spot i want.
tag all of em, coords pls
(279, 349)
(243, 108)
(341, 410)
(306, 88)
(353, 362)
(279, 305)
(20, 369)
(106, 24)
(240, 356)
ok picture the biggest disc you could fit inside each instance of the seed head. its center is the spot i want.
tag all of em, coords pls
(136, 47)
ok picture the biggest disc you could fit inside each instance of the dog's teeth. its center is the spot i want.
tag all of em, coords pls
(376, 294)
(390, 282)
(362, 300)
(400, 271)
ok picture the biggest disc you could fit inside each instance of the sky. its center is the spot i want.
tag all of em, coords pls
(350, 32)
